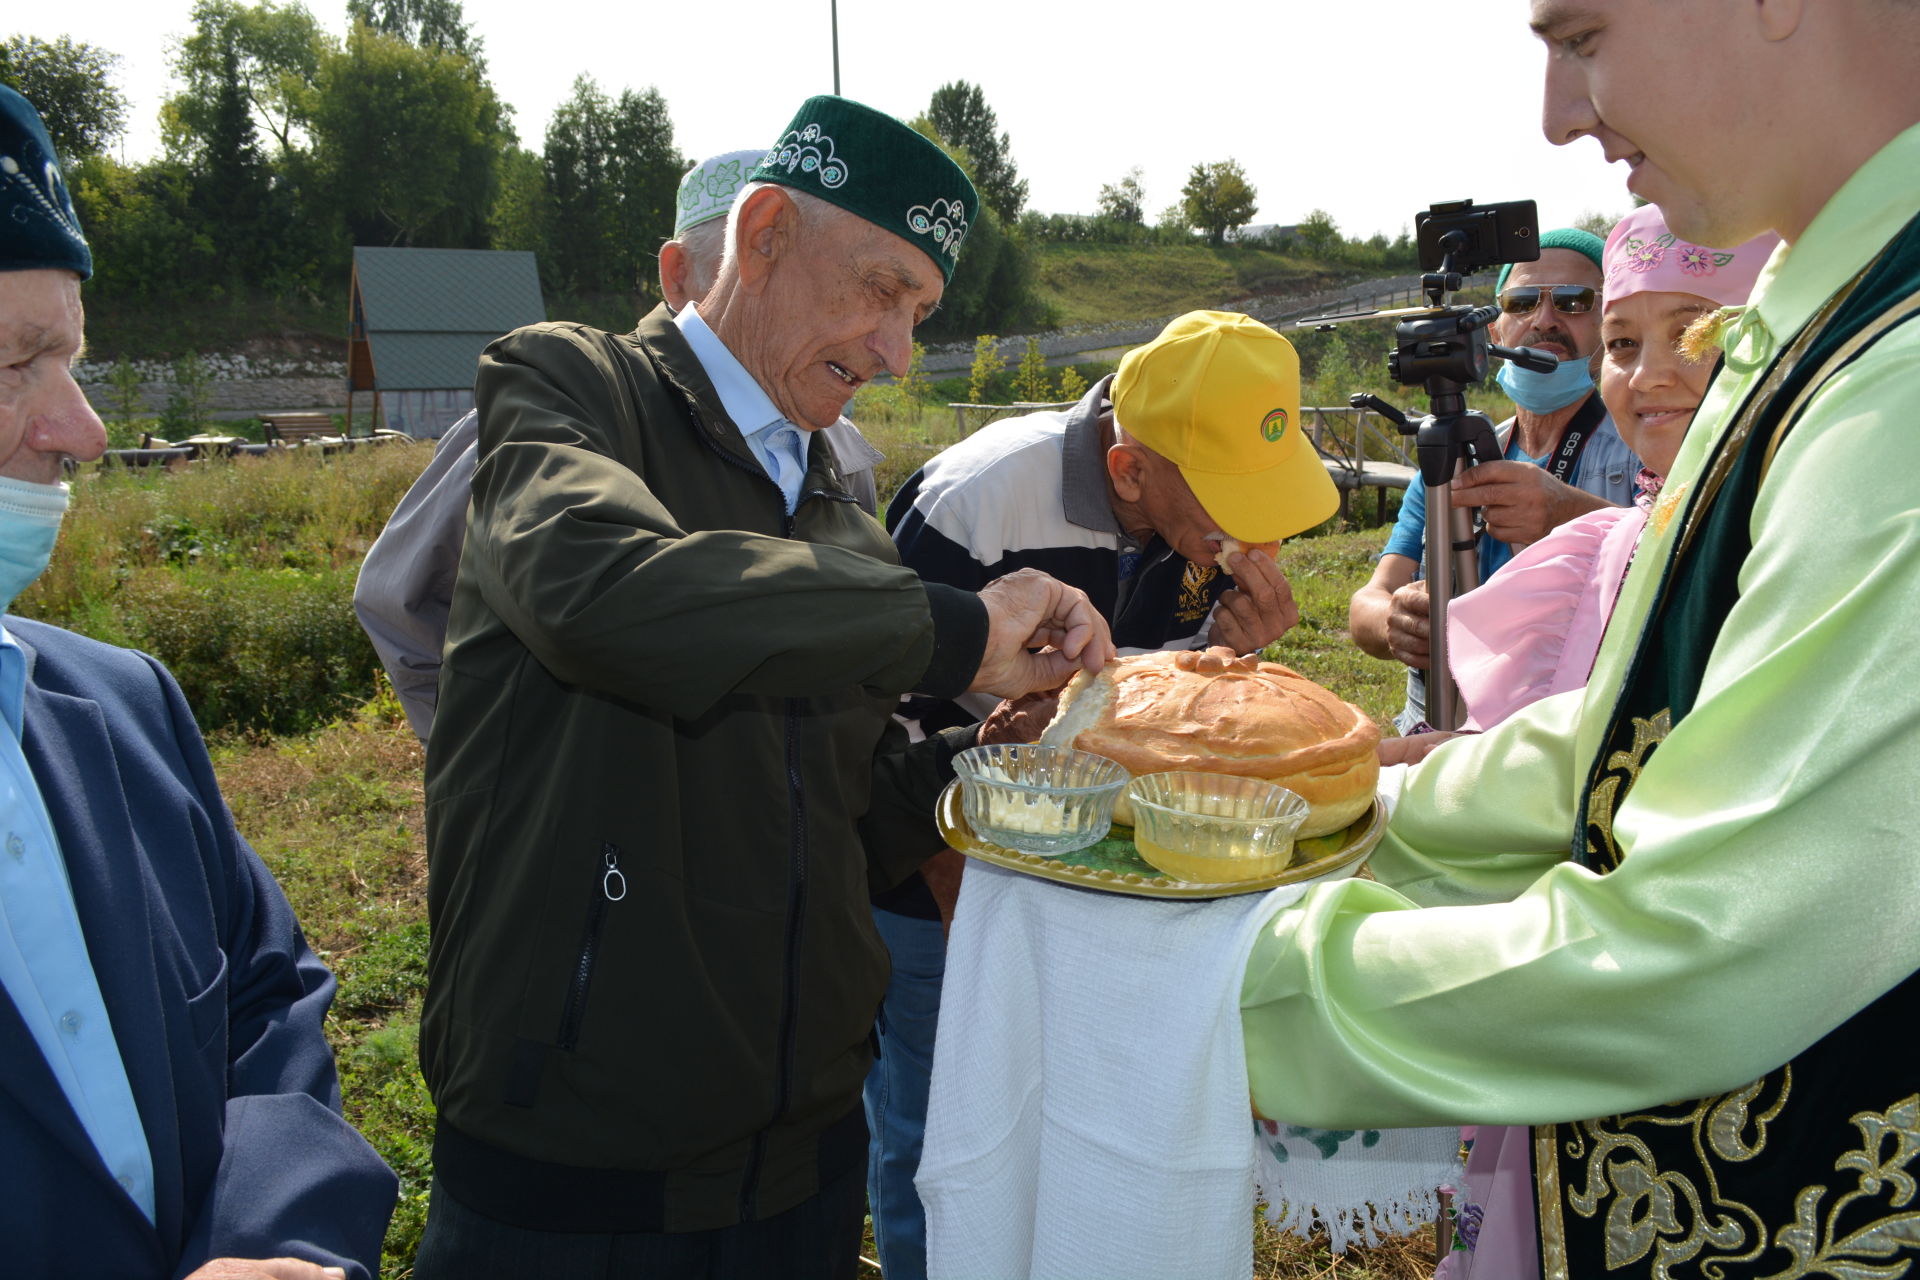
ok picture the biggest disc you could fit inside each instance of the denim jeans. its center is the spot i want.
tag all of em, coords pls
(896, 1091)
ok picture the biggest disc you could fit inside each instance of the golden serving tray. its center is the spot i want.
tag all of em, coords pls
(1115, 866)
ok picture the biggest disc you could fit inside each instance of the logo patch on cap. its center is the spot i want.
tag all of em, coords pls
(810, 151)
(944, 220)
(1274, 425)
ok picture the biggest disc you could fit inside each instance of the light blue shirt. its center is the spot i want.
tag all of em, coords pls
(44, 964)
(777, 444)
(1606, 468)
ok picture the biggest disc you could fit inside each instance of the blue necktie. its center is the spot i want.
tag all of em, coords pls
(784, 445)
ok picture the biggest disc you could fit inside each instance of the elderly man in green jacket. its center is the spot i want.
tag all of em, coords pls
(663, 779)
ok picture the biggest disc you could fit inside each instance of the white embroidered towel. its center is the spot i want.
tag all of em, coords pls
(1089, 1113)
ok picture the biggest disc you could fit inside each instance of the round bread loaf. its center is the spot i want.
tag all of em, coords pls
(1220, 713)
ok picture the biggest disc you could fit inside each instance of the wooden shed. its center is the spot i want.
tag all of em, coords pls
(420, 319)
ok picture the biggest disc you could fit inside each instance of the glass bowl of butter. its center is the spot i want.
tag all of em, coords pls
(1038, 799)
(1214, 828)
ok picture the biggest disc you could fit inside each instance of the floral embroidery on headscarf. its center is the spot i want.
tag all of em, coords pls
(1696, 261)
(1645, 255)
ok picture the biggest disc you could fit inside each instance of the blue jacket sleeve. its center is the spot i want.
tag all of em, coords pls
(294, 1178)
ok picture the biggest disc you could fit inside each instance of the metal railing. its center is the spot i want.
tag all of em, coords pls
(1354, 437)
(1351, 437)
(969, 418)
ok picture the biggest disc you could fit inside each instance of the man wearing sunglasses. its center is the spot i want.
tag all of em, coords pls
(1563, 456)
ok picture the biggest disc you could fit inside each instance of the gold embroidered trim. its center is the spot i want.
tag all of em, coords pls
(1622, 770)
(1657, 1220)
(1666, 1217)
(1815, 1243)
(1733, 443)
(1546, 1189)
(1886, 320)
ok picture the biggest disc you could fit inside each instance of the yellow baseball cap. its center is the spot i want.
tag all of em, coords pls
(1218, 395)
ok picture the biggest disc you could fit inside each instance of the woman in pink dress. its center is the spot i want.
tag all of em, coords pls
(1534, 628)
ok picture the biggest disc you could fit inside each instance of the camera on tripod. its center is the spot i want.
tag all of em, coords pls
(1444, 348)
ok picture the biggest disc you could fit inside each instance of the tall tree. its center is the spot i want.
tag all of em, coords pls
(72, 85)
(581, 241)
(961, 116)
(992, 287)
(1217, 198)
(522, 208)
(270, 51)
(1125, 200)
(424, 24)
(1320, 234)
(612, 171)
(230, 178)
(409, 140)
(645, 170)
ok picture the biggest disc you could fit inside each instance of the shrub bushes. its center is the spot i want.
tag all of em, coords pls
(275, 650)
(238, 575)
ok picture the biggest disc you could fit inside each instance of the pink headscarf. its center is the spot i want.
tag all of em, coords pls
(1644, 257)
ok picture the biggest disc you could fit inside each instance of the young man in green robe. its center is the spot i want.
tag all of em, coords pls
(1693, 880)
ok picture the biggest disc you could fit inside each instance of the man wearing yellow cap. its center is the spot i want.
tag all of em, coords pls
(1130, 496)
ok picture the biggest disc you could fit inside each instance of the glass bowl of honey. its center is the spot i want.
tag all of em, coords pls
(1038, 799)
(1214, 828)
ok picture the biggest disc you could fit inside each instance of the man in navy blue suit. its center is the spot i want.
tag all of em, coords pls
(168, 1103)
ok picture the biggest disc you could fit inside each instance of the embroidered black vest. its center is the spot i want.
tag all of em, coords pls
(1810, 1170)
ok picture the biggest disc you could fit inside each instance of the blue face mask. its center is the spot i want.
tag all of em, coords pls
(29, 523)
(1569, 382)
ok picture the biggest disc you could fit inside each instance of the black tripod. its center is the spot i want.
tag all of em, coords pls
(1444, 350)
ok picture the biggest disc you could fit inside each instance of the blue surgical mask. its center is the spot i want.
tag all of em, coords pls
(1569, 382)
(29, 523)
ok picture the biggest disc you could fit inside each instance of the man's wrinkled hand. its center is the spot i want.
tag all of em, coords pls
(1259, 609)
(1039, 632)
(1522, 503)
(1410, 625)
(1020, 719)
(265, 1269)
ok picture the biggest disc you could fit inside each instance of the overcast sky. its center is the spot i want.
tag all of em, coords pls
(1359, 106)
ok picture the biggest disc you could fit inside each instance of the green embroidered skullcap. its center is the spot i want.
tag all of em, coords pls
(38, 229)
(708, 190)
(869, 163)
(1584, 243)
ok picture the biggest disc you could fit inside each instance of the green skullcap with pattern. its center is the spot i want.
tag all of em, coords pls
(1584, 243)
(708, 190)
(871, 164)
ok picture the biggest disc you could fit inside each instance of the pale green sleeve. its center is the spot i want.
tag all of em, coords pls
(1769, 887)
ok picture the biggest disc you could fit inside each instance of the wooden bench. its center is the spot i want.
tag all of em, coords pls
(147, 457)
(297, 428)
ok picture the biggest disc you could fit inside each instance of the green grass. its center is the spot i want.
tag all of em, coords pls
(1324, 572)
(1104, 284)
(238, 574)
(337, 816)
